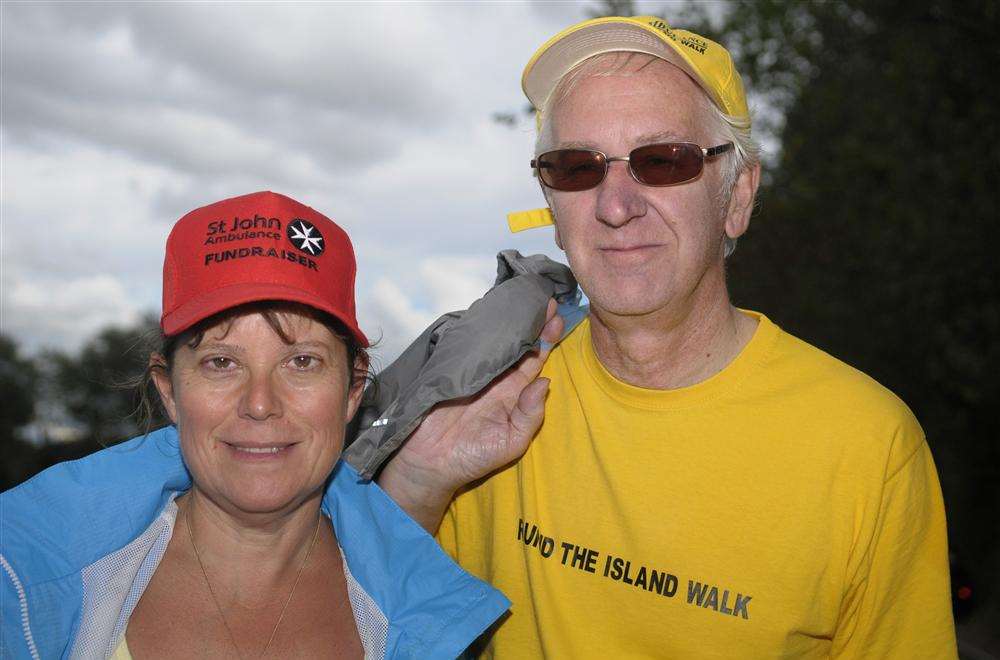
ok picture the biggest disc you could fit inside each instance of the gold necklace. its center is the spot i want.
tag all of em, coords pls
(274, 631)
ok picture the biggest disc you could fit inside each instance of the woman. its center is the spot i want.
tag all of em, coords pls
(236, 532)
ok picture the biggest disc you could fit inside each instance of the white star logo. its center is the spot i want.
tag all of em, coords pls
(303, 238)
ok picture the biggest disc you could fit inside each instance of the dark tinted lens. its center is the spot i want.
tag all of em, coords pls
(571, 169)
(666, 164)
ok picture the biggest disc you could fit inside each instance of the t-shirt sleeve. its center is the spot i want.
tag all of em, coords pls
(898, 602)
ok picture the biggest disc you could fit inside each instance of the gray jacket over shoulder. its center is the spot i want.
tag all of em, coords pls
(460, 354)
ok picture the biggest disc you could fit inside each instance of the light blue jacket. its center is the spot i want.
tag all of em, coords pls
(80, 541)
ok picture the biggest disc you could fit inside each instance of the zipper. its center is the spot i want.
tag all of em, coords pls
(23, 601)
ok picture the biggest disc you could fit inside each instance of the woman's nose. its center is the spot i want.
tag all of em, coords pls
(260, 399)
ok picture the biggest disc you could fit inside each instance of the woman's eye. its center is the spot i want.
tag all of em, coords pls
(304, 362)
(220, 363)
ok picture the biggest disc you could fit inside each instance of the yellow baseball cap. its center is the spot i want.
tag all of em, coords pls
(708, 63)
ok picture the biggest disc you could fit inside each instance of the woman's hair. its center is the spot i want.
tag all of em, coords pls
(151, 406)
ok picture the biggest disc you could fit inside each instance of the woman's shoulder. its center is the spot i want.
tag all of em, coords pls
(75, 512)
(398, 575)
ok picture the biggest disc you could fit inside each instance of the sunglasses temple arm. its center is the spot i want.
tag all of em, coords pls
(715, 151)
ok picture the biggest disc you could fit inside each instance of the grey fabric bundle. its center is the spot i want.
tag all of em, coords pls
(460, 354)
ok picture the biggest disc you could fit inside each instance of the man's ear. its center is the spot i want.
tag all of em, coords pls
(741, 202)
(158, 371)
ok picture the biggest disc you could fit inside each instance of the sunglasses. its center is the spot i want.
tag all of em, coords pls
(662, 164)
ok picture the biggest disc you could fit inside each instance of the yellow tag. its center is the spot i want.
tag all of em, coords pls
(521, 220)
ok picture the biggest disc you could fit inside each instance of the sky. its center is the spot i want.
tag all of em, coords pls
(119, 118)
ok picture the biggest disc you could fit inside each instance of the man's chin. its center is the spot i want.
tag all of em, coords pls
(625, 302)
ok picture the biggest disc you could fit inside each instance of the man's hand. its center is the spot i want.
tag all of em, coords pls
(463, 440)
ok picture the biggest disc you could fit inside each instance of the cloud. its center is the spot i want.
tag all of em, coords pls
(72, 310)
(307, 53)
(454, 282)
(396, 310)
(185, 93)
(118, 118)
(387, 315)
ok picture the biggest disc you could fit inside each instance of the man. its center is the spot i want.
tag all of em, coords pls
(704, 484)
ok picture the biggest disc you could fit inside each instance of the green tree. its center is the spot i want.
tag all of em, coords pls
(18, 383)
(18, 392)
(93, 390)
(96, 387)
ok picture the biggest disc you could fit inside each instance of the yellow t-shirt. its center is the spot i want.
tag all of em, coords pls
(786, 507)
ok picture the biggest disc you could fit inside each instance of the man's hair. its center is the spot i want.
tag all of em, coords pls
(720, 126)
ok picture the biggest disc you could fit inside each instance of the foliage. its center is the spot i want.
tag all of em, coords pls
(97, 387)
(93, 392)
(18, 383)
(18, 392)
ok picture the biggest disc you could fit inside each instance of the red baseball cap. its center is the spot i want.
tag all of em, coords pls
(262, 246)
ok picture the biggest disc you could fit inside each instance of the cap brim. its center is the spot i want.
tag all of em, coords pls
(223, 298)
(568, 49)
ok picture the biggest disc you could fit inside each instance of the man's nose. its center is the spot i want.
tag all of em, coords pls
(261, 399)
(619, 196)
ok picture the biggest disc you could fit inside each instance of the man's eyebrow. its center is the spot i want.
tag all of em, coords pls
(648, 138)
(576, 144)
(662, 136)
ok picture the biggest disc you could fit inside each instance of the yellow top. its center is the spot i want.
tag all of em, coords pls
(786, 507)
(121, 651)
